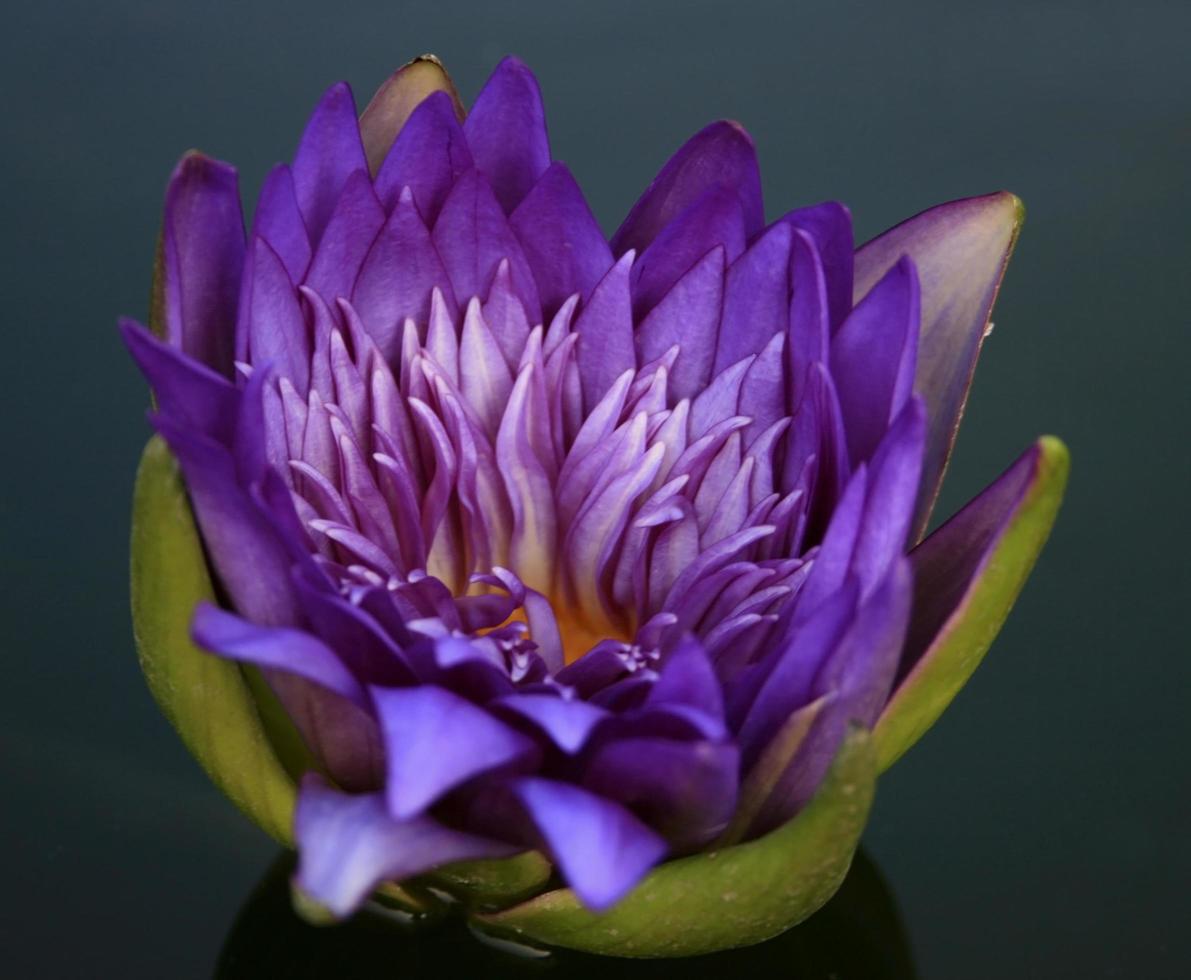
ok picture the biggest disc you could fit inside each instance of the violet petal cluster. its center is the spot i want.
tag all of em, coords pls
(541, 537)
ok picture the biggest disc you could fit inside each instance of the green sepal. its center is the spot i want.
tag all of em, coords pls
(719, 899)
(969, 631)
(496, 883)
(205, 698)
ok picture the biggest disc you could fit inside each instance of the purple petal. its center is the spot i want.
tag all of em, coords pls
(756, 298)
(274, 325)
(435, 740)
(713, 220)
(251, 562)
(783, 682)
(202, 241)
(564, 245)
(506, 130)
(351, 228)
(330, 151)
(350, 844)
(473, 236)
(955, 556)
(723, 153)
(567, 722)
(829, 226)
(385, 117)
(429, 155)
(187, 391)
(605, 329)
(856, 679)
(687, 790)
(291, 650)
(873, 356)
(689, 317)
(961, 250)
(601, 848)
(688, 678)
(278, 220)
(398, 275)
(809, 319)
(892, 489)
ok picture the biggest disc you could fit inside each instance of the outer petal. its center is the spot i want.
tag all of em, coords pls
(350, 844)
(350, 231)
(278, 220)
(330, 151)
(723, 153)
(506, 130)
(605, 329)
(719, 899)
(961, 250)
(561, 238)
(473, 236)
(873, 356)
(398, 275)
(186, 390)
(169, 577)
(601, 848)
(435, 740)
(396, 99)
(291, 650)
(250, 559)
(967, 576)
(428, 156)
(202, 255)
(829, 226)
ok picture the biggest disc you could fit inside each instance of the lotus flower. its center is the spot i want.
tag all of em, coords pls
(579, 578)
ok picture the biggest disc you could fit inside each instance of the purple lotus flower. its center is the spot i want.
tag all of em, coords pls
(593, 552)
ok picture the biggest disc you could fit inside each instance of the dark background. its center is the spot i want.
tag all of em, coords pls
(1041, 829)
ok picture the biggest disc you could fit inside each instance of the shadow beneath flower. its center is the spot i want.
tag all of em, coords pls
(858, 935)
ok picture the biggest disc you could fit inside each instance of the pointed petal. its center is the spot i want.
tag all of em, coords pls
(563, 242)
(687, 316)
(686, 790)
(568, 722)
(186, 390)
(853, 685)
(278, 220)
(723, 153)
(601, 848)
(275, 326)
(427, 157)
(435, 740)
(605, 329)
(399, 273)
(350, 844)
(829, 226)
(506, 130)
(873, 356)
(330, 151)
(756, 298)
(350, 231)
(395, 101)
(291, 650)
(688, 678)
(961, 250)
(251, 561)
(473, 236)
(714, 220)
(202, 251)
(967, 575)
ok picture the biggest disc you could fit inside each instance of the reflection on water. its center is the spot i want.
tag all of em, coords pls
(858, 935)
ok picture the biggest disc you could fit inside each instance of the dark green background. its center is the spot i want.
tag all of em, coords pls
(1041, 830)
